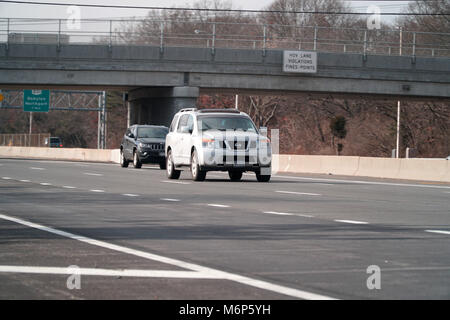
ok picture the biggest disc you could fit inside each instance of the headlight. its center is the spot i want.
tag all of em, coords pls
(141, 145)
(208, 143)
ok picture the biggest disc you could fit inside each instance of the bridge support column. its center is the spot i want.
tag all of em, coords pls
(158, 105)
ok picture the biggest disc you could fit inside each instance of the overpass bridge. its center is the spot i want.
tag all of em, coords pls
(161, 79)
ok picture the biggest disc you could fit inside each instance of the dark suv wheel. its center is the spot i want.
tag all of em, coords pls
(262, 178)
(136, 162)
(123, 161)
(235, 175)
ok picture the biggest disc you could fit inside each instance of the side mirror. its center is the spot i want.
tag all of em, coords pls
(131, 136)
(186, 129)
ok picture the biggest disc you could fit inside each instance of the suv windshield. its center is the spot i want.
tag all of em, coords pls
(224, 123)
(55, 140)
(152, 132)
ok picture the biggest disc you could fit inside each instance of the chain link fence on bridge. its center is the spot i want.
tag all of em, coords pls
(25, 139)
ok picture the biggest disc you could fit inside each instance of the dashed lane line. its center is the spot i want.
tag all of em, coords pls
(438, 231)
(298, 193)
(169, 199)
(218, 205)
(352, 221)
(175, 182)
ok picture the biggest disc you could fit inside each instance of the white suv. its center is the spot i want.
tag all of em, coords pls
(216, 140)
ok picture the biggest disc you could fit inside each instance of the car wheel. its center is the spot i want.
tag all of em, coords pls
(136, 162)
(170, 167)
(123, 161)
(162, 165)
(235, 175)
(262, 178)
(197, 174)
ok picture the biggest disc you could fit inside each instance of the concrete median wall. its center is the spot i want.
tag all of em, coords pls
(410, 169)
(72, 154)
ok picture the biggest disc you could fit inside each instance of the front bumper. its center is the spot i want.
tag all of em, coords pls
(221, 160)
(151, 156)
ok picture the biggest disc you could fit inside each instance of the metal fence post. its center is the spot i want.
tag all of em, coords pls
(414, 49)
(110, 35)
(59, 34)
(213, 44)
(315, 38)
(161, 43)
(264, 40)
(365, 45)
(7, 34)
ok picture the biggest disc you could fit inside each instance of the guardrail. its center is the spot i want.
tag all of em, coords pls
(193, 33)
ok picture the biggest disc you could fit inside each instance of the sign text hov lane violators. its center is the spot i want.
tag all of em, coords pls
(36, 100)
(300, 61)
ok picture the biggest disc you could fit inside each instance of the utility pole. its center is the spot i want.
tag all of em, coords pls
(31, 122)
(397, 149)
(236, 103)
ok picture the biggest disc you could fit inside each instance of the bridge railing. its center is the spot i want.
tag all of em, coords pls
(192, 33)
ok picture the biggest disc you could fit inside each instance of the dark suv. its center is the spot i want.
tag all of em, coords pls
(144, 144)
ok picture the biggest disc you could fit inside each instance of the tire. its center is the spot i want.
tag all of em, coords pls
(197, 174)
(123, 161)
(162, 165)
(136, 162)
(262, 178)
(235, 175)
(170, 167)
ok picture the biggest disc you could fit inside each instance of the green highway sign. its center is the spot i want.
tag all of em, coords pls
(36, 100)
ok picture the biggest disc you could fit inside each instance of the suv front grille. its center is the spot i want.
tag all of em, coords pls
(154, 146)
(235, 144)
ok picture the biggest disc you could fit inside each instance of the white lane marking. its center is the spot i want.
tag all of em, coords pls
(363, 182)
(185, 265)
(217, 205)
(175, 182)
(352, 221)
(438, 231)
(93, 174)
(45, 184)
(130, 195)
(69, 187)
(97, 190)
(169, 199)
(6, 178)
(299, 193)
(24, 180)
(36, 168)
(289, 214)
(108, 272)
(325, 184)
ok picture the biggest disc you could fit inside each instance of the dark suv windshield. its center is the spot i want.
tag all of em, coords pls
(224, 123)
(54, 140)
(152, 132)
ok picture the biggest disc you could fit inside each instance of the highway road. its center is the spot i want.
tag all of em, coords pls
(133, 234)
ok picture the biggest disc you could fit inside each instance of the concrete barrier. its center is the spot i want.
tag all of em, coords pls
(72, 154)
(409, 169)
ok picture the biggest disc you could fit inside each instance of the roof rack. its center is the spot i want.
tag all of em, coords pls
(188, 109)
(219, 111)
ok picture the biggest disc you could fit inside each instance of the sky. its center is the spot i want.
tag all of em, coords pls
(40, 11)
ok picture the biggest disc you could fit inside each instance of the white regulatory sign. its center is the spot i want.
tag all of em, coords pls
(300, 61)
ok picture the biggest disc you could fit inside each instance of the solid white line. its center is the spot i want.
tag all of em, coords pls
(289, 214)
(176, 182)
(24, 180)
(36, 168)
(299, 193)
(69, 187)
(217, 205)
(352, 221)
(130, 195)
(278, 213)
(438, 231)
(45, 184)
(108, 272)
(97, 190)
(168, 199)
(185, 265)
(93, 174)
(363, 182)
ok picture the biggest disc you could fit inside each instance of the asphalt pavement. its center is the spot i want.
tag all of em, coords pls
(134, 234)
